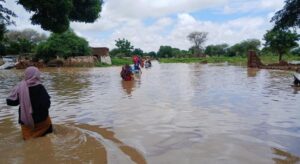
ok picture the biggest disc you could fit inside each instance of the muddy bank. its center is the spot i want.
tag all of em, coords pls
(255, 62)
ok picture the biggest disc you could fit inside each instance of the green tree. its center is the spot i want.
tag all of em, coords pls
(281, 41)
(289, 16)
(63, 45)
(124, 47)
(152, 54)
(138, 51)
(198, 39)
(5, 19)
(216, 50)
(2, 44)
(165, 52)
(19, 46)
(25, 41)
(55, 15)
(241, 49)
(6, 14)
(2, 31)
(114, 52)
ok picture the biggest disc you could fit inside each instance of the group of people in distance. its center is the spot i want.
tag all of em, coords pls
(127, 71)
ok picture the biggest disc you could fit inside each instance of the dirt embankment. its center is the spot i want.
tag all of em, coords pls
(255, 62)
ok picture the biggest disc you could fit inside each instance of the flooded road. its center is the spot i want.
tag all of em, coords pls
(172, 113)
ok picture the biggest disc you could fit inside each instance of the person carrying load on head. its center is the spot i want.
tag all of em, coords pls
(126, 73)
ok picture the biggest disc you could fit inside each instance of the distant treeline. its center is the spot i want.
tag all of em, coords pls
(124, 49)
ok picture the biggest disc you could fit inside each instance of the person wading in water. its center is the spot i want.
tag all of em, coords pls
(126, 73)
(34, 103)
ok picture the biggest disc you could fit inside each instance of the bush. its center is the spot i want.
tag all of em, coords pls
(64, 45)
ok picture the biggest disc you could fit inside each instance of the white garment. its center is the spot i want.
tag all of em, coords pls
(297, 75)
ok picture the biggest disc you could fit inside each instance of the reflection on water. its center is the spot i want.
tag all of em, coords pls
(128, 86)
(171, 113)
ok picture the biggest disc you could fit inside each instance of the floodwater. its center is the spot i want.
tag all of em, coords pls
(171, 113)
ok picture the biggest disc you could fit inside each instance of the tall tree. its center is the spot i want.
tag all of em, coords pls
(124, 46)
(55, 15)
(198, 38)
(281, 41)
(289, 16)
(6, 14)
(5, 19)
(2, 31)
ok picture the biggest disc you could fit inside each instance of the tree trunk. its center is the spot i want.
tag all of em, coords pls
(280, 57)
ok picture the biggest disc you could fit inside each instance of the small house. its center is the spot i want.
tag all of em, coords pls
(102, 54)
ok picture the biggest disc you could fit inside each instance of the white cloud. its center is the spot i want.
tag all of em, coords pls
(170, 23)
(156, 8)
(242, 6)
(151, 37)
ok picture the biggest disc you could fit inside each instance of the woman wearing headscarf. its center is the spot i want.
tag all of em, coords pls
(34, 103)
(126, 73)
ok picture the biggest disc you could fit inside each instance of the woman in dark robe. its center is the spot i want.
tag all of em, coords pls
(34, 103)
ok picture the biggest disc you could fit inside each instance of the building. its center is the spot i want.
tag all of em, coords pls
(102, 54)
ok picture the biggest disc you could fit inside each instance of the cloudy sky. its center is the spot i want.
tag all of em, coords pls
(147, 24)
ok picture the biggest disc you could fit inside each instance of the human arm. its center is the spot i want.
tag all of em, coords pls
(12, 102)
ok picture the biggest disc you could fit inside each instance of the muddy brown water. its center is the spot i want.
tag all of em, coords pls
(171, 113)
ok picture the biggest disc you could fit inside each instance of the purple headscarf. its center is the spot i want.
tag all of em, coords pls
(21, 91)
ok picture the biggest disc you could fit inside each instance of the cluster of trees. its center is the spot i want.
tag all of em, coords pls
(279, 40)
(51, 15)
(39, 46)
(275, 43)
(55, 16)
(125, 49)
(239, 49)
(20, 42)
(64, 45)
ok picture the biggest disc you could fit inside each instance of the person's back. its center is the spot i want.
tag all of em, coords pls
(126, 73)
(34, 103)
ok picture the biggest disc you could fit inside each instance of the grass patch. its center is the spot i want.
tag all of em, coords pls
(121, 61)
(237, 60)
(115, 62)
(214, 59)
(268, 59)
(241, 60)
